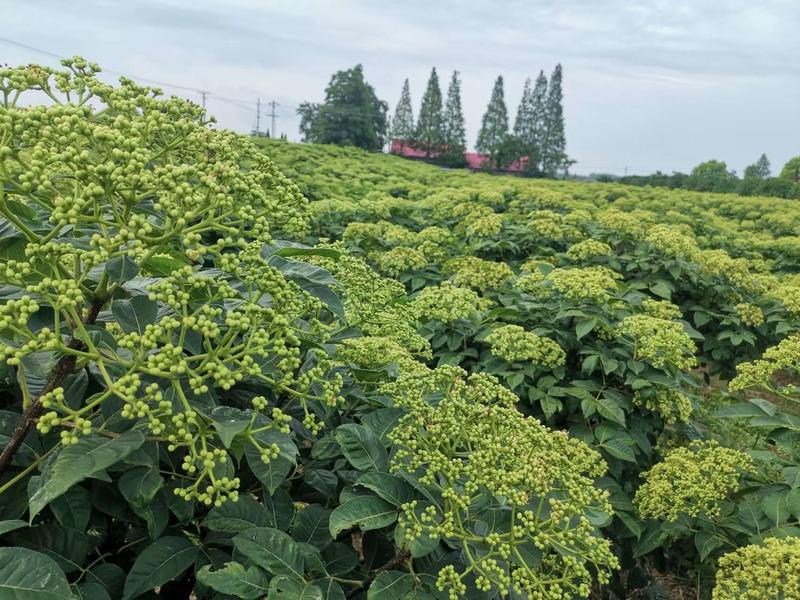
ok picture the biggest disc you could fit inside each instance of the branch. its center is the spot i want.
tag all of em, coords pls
(401, 557)
(63, 369)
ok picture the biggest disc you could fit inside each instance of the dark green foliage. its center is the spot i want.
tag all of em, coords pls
(352, 115)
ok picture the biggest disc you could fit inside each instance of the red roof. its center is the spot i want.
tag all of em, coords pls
(474, 160)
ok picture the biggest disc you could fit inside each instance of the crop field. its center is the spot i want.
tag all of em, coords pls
(246, 368)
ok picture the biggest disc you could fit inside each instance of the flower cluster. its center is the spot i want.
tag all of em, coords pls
(580, 284)
(448, 303)
(477, 273)
(750, 314)
(371, 302)
(472, 442)
(764, 571)
(673, 405)
(373, 352)
(400, 259)
(514, 344)
(109, 182)
(660, 342)
(786, 355)
(661, 309)
(588, 249)
(691, 481)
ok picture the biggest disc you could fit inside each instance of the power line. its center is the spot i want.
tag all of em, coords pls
(238, 102)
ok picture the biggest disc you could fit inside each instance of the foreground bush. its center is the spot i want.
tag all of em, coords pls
(186, 402)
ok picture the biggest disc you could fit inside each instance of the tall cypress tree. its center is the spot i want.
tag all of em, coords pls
(429, 127)
(454, 134)
(403, 121)
(539, 120)
(523, 124)
(494, 125)
(524, 139)
(554, 154)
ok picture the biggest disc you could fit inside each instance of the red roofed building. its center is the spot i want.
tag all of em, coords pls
(474, 160)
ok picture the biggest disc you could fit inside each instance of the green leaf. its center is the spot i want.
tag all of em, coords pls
(73, 508)
(234, 580)
(609, 409)
(584, 326)
(339, 558)
(272, 550)
(365, 512)
(382, 421)
(76, 462)
(362, 448)
(91, 591)
(706, 542)
(652, 538)
(621, 449)
(390, 585)
(139, 487)
(792, 502)
(134, 314)
(391, 488)
(776, 507)
(273, 473)
(228, 422)
(164, 560)
(280, 509)
(291, 251)
(330, 589)
(311, 526)
(68, 547)
(163, 266)
(662, 289)
(235, 517)
(11, 525)
(121, 269)
(283, 587)
(29, 575)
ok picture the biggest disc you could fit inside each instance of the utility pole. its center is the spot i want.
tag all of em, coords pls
(258, 117)
(272, 114)
(204, 94)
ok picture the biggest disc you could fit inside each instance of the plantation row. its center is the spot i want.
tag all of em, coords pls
(292, 371)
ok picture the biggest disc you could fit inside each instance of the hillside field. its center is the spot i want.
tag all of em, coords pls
(233, 367)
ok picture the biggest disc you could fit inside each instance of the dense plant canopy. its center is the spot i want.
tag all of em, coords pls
(249, 369)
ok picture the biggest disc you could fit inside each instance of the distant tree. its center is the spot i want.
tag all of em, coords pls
(712, 176)
(554, 155)
(539, 118)
(494, 127)
(429, 135)
(454, 135)
(525, 130)
(403, 121)
(352, 115)
(759, 169)
(791, 170)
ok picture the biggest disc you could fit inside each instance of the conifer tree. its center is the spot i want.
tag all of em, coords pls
(524, 142)
(429, 126)
(403, 121)
(523, 124)
(554, 148)
(453, 129)
(539, 119)
(759, 169)
(494, 125)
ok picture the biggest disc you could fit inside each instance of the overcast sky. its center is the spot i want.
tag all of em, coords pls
(648, 84)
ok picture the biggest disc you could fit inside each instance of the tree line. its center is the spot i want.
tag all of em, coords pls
(714, 176)
(537, 138)
(353, 115)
